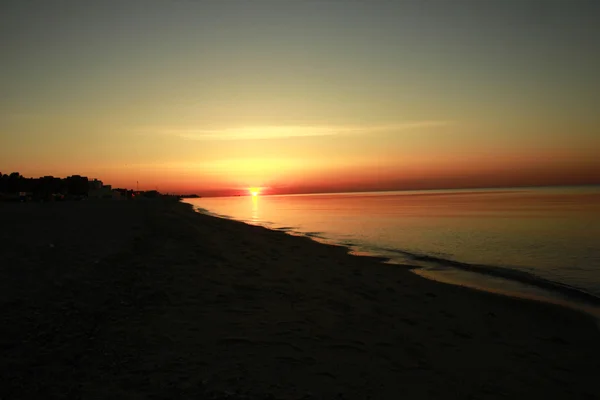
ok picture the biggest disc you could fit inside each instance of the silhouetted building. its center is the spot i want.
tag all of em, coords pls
(95, 184)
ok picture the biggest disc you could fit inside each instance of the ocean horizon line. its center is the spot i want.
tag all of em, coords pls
(409, 190)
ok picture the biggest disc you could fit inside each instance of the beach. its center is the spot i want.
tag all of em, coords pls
(148, 299)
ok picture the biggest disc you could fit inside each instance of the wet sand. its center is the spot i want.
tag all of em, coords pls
(149, 300)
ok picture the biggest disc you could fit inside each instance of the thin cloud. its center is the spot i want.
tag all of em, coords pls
(268, 132)
(291, 131)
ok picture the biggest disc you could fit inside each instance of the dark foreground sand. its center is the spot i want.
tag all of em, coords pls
(149, 300)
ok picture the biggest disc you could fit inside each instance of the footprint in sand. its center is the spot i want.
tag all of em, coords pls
(409, 321)
(326, 374)
(346, 347)
(461, 334)
(297, 361)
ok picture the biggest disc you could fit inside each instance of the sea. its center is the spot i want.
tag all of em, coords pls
(540, 243)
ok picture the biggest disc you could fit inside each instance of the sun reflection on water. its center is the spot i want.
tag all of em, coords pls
(255, 215)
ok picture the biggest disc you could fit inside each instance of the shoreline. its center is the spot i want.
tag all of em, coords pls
(160, 301)
(540, 289)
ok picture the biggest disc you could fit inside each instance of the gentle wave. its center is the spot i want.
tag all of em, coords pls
(493, 270)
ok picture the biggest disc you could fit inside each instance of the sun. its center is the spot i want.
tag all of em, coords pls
(254, 191)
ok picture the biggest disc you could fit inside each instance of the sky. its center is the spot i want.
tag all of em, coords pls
(214, 97)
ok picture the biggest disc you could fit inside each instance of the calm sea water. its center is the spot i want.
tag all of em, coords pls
(525, 240)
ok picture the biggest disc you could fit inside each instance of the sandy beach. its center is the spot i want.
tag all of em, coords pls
(150, 300)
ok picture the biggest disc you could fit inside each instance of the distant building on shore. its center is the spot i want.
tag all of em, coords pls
(95, 184)
(103, 192)
(15, 187)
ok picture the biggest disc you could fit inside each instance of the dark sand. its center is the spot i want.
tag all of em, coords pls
(150, 300)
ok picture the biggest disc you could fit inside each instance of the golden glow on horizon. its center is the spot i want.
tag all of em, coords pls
(254, 191)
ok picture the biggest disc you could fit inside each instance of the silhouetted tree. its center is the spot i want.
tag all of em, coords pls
(14, 182)
(77, 185)
(3, 183)
(44, 188)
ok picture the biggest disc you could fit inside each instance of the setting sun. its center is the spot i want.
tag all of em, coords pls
(254, 191)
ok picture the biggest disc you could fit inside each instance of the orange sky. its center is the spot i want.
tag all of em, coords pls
(216, 97)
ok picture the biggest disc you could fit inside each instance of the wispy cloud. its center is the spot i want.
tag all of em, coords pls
(293, 131)
(266, 132)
